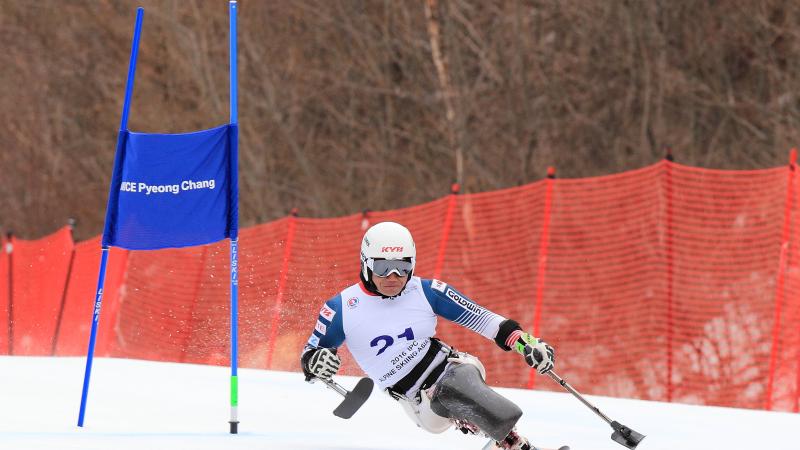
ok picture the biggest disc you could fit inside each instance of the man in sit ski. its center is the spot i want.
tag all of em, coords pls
(388, 321)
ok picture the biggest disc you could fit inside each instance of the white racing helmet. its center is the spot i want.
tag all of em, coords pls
(386, 248)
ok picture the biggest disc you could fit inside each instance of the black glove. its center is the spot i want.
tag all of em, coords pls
(321, 363)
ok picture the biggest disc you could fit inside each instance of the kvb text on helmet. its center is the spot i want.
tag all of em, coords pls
(387, 248)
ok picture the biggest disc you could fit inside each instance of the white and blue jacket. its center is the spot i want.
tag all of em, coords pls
(388, 336)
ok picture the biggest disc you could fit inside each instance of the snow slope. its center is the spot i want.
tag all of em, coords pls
(140, 404)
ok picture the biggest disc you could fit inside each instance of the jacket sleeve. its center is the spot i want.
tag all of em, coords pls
(328, 331)
(447, 302)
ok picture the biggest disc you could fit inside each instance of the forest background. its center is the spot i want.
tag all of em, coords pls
(353, 105)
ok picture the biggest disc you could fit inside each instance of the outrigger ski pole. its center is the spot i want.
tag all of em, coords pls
(622, 434)
(353, 400)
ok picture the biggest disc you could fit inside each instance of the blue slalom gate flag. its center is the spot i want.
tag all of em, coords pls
(173, 190)
(170, 191)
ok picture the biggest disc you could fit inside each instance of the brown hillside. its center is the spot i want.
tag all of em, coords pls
(347, 105)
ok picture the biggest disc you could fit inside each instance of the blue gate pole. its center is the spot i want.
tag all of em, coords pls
(234, 422)
(93, 335)
(101, 279)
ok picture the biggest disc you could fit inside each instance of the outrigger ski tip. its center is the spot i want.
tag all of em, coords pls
(353, 400)
(625, 436)
(621, 435)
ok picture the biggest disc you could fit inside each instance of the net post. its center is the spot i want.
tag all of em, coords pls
(796, 400)
(542, 263)
(71, 224)
(670, 260)
(780, 282)
(796, 403)
(448, 225)
(195, 301)
(365, 219)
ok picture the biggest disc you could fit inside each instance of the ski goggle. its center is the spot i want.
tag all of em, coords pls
(384, 267)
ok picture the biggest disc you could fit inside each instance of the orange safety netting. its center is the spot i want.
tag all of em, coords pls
(667, 283)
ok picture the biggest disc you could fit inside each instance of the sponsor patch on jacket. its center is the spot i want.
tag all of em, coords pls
(464, 302)
(314, 340)
(327, 313)
(321, 327)
(438, 285)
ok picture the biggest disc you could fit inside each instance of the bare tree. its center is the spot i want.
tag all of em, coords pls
(347, 105)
